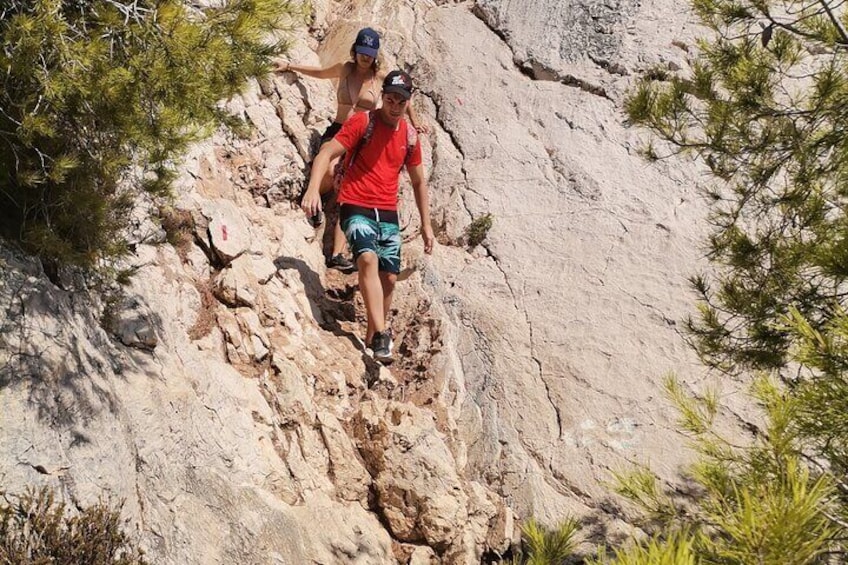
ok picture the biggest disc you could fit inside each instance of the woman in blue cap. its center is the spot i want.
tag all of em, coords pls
(358, 91)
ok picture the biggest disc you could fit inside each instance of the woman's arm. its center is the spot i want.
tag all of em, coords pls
(333, 71)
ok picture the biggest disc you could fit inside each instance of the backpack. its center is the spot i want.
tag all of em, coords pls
(344, 164)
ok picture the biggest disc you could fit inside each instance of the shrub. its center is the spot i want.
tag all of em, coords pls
(100, 97)
(757, 503)
(478, 230)
(676, 549)
(36, 530)
(206, 319)
(179, 229)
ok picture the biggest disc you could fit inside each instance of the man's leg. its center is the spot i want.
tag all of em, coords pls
(387, 280)
(389, 244)
(361, 232)
(371, 287)
(337, 258)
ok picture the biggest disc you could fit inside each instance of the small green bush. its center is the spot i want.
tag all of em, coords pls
(676, 549)
(657, 73)
(541, 545)
(548, 546)
(35, 530)
(478, 230)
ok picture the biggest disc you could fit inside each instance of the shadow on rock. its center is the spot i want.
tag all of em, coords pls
(53, 342)
(330, 307)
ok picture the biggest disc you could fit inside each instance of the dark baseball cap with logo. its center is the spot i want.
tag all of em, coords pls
(398, 82)
(367, 42)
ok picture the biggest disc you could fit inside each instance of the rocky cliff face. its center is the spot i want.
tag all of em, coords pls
(224, 394)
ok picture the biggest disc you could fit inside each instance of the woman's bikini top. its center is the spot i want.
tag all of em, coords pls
(362, 102)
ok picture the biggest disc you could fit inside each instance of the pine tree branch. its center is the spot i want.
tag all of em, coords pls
(10, 118)
(835, 21)
(130, 11)
(836, 520)
(792, 27)
(841, 484)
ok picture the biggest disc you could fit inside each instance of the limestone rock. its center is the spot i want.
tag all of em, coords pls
(348, 474)
(247, 341)
(423, 555)
(226, 233)
(133, 325)
(191, 445)
(571, 305)
(239, 284)
(419, 493)
(588, 45)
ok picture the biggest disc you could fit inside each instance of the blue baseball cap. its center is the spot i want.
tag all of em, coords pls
(367, 42)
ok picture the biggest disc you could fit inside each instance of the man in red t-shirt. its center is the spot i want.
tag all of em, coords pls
(369, 195)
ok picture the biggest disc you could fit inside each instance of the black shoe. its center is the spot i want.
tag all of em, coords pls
(341, 263)
(381, 346)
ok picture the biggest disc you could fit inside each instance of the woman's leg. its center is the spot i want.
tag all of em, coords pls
(327, 185)
(339, 241)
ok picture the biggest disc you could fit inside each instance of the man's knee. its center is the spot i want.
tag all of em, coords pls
(367, 260)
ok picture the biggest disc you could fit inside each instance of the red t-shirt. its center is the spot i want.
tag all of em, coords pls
(372, 180)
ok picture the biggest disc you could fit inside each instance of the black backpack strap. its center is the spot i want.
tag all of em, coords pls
(344, 164)
(411, 142)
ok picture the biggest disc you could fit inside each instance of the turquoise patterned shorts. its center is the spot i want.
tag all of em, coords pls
(377, 231)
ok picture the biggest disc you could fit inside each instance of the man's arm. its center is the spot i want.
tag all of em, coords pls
(422, 200)
(311, 203)
(416, 122)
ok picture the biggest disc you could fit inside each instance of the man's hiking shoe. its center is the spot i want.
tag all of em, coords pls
(341, 263)
(381, 346)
